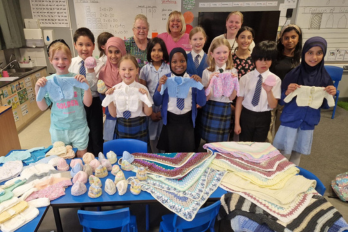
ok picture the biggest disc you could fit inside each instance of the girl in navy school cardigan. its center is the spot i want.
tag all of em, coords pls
(198, 37)
(177, 134)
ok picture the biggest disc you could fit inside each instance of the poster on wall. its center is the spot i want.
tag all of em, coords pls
(15, 116)
(24, 109)
(22, 95)
(51, 13)
(13, 101)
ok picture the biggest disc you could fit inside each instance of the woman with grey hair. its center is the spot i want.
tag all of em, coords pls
(136, 45)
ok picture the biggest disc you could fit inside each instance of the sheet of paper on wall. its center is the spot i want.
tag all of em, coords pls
(332, 55)
(340, 55)
(290, 3)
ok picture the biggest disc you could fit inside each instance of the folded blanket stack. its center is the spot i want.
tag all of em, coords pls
(182, 182)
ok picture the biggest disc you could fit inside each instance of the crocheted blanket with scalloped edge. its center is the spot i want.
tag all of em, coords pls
(277, 182)
(171, 172)
(284, 165)
(170, 159)
(188, 180)
(319, 215)
(254, 152)
(184, 206)
(195, 192)
(285, 214)
(269, 165)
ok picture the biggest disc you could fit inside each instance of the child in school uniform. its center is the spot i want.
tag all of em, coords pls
(256, 99)
(84, 45)
(109, 74)
(101, 40)
(150, 74)
(196, 63)
(68, 117)
(216, 114)
(242, 55)
(295, 134)
(130, 102)
(178, 94)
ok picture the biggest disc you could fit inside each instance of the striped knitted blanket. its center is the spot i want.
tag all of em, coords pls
(319, 215)
(187, 181)
(284, 214)
(170, 159)
(169, 171)
(184, 206)
(240, 167)
(277, 182)
(283, 197)
(254, 152)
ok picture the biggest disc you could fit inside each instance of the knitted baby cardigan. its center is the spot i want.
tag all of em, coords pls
(179, 87)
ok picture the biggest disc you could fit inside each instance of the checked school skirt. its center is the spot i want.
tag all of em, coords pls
(132, 128)
(215, 121)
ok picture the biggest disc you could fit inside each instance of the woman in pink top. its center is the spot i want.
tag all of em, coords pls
(175, 35)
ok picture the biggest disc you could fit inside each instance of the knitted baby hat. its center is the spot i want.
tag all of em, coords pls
(75, 169)
(69, 152)
(90, 62)
(125, 165)
(106, 163)
(58, 144)
(57, 149)
(128, 157)
(271, 80)
(94, 191)
(74, 162)
(101, 87)
(101, 172)
(110, 187)
(115, 169)
(141, 173)
(62, 165)
(81, 176)
(54, 161)
(101, 156)
(88, 169)
(88, 157)
(112, 157)
(78, 189)
(94, 180)
(94, 164)
(135, 187)
(122, 187)
(119, 176)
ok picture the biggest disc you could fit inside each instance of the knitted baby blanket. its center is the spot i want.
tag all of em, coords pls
(319, 215)
(171, 172)
(10, 170)
(284, 214)
(183, 206)
(282, 197)
(277, 182)
(240, 167)
(188, 180)
(254, 152)
(170, 159)
(269, 165)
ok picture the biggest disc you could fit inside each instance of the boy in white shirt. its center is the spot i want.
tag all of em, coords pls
(256, 99)
(84, 45)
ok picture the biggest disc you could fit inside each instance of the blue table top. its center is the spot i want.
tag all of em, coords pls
(105, 199)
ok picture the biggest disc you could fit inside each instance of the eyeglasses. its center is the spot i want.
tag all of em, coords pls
(141, 28)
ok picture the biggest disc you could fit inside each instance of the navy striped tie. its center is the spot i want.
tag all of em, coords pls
(126, 114)
(180, 103)
(82, 68)
(256, 97)
(197, 61)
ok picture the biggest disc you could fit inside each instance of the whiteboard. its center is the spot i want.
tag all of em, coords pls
(328, 19)
(117, 16)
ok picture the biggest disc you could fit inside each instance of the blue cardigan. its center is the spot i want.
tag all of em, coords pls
(198, 97)
(191, 68)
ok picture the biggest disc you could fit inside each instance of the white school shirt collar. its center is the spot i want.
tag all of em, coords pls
(217, 68)
(187, 102)
(201, 53)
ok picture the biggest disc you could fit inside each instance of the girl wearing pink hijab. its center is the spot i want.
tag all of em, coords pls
(114, 50)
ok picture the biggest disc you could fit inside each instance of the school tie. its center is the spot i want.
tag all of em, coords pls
(197, 61)
(256, 97)
(180, 103)
(82, 68)
(126, 114)
(221, 70)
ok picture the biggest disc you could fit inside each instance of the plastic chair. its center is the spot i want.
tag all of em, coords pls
(113, 220)
(204, 220)
(120, 145)
(320, 186)
(336, 75)
(131, 145)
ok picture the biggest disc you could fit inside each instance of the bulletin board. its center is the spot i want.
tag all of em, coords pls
(328, 19)
(117, 17)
